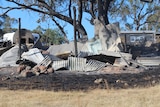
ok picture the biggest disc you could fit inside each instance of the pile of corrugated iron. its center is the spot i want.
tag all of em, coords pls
(34, 63)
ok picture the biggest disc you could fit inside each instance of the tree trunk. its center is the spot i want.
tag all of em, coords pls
(80, 28)
(103, 11)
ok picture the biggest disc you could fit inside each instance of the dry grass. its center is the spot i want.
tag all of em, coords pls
(144, 97)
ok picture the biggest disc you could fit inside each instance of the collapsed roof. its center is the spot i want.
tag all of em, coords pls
(95, 53)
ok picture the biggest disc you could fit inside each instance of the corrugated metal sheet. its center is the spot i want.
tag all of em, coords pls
(60, 64)
(149, 61)
(33, 55)
(76, 64)
(46, 61)
(93, 65)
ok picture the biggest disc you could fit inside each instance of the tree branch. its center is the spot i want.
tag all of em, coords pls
(69, 8)
(79, 11)
(8, 9)
(61, 29)
(50, 13)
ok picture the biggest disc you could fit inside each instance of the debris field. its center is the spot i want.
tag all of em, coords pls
(98, 63)
(65, 80)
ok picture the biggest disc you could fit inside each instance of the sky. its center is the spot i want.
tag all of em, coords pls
(29, 21)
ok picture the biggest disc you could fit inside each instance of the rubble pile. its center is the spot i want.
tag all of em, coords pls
(27, 71)
(99, 62)
(103, 54)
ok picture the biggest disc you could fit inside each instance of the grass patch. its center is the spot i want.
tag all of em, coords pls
(139, 97)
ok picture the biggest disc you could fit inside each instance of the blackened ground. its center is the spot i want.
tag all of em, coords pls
(68, 81)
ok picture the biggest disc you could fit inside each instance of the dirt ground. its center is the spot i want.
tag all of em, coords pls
(75, 81)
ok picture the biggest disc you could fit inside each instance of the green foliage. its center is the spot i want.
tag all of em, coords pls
(6, 23)
(53, 36)
(154, 21)
(138, 15)
(39, 30)
(132, 14)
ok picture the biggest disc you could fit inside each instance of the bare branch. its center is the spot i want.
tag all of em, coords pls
(139, 14)
(69, 8)
(92, 9)
(62, 30)
(8, 9)
(50, 12)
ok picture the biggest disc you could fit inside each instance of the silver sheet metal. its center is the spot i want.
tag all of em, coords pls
(46, 61)
(149, 61)
(60, 64)
(93, 65)
(76, 64)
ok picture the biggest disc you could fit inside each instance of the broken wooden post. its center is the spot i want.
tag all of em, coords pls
(19, 38)
(75, 36)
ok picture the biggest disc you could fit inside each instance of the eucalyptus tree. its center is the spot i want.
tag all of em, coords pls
(6, 23)
(137, 15)
(58, 10)
(39, 30)
(154, 21)
(53, 36)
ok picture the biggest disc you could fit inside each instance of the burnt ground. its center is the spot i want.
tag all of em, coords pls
(68, 81)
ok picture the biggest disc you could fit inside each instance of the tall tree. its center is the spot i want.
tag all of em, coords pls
(39, 30)
(100, 9)
(52, 36)
(136, 14)
(62, 10)
(154, 21)
(58, 10)
(1, 23)
(55, 10)
(6, 23)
